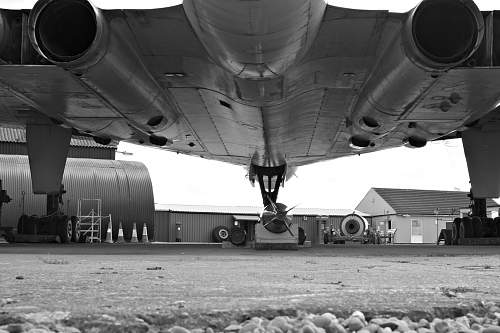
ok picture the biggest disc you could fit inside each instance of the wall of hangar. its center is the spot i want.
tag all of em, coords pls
(198, 226)
(124, 187)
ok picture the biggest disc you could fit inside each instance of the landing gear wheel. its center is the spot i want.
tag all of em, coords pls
(302, 236)
(477, 226)
(466, 230)
(496, 221)
(65, 229)
(238, 236)
(220, 234)
(75, 223)
(489, 228)
(455, 231)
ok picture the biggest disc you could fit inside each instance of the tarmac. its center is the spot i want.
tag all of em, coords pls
(199, 286)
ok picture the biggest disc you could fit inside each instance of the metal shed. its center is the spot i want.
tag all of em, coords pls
(124, 187)
(197, 221)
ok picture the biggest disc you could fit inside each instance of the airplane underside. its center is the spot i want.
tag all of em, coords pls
(271, 85)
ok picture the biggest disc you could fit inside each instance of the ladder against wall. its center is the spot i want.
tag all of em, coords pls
(89, 214)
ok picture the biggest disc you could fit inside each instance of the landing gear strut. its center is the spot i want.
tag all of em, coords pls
(270, 179)
(274, 218)
(477, 206)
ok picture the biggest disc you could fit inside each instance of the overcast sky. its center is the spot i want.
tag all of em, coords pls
(339, 183)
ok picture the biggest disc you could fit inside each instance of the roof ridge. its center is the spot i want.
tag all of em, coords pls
(415, 189)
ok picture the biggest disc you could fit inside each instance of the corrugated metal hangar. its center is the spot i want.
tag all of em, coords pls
(13, 142)
(124, 187)
(193, 223)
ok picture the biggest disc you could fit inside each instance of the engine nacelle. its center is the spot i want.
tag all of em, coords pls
(353, 225)
(437, 35)
(78, 37)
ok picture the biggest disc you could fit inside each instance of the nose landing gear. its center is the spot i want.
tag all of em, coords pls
(275, 229)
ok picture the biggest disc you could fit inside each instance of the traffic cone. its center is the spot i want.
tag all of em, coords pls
(134, 235)
(145, 238)
(109, 234)
(120, 238)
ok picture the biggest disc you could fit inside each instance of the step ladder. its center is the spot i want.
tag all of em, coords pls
(91, 223)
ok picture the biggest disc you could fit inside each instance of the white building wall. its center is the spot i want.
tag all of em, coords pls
(373, 204)
(430, 230)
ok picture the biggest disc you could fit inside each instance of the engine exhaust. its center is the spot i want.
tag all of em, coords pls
(435, 36)
(99, 49)
(443, 33)
(69, 33)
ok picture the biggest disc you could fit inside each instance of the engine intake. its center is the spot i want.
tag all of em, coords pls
(353, 225)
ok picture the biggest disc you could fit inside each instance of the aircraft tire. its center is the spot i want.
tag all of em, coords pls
(455, 231)
(477, 227)
(24, 224)
(496, 221)
(489, 227)
(447, 237)
(466, 230)
(75, 223)
(303, 236)
(220, 234)
(238, 236)
(64, 229)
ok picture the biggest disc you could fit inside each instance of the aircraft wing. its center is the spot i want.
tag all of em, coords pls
(212, 81)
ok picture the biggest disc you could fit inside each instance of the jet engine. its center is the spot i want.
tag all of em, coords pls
(435, 36)
(99, 50)
(353, 225)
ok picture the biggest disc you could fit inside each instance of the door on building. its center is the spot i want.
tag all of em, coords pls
(417, 234)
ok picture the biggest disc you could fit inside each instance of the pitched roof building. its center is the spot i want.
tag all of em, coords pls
(383, 201)
(417, 215)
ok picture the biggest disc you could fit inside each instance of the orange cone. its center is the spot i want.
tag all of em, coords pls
(109, 234)
(145, 238)
(134, 235)
(120, 238)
